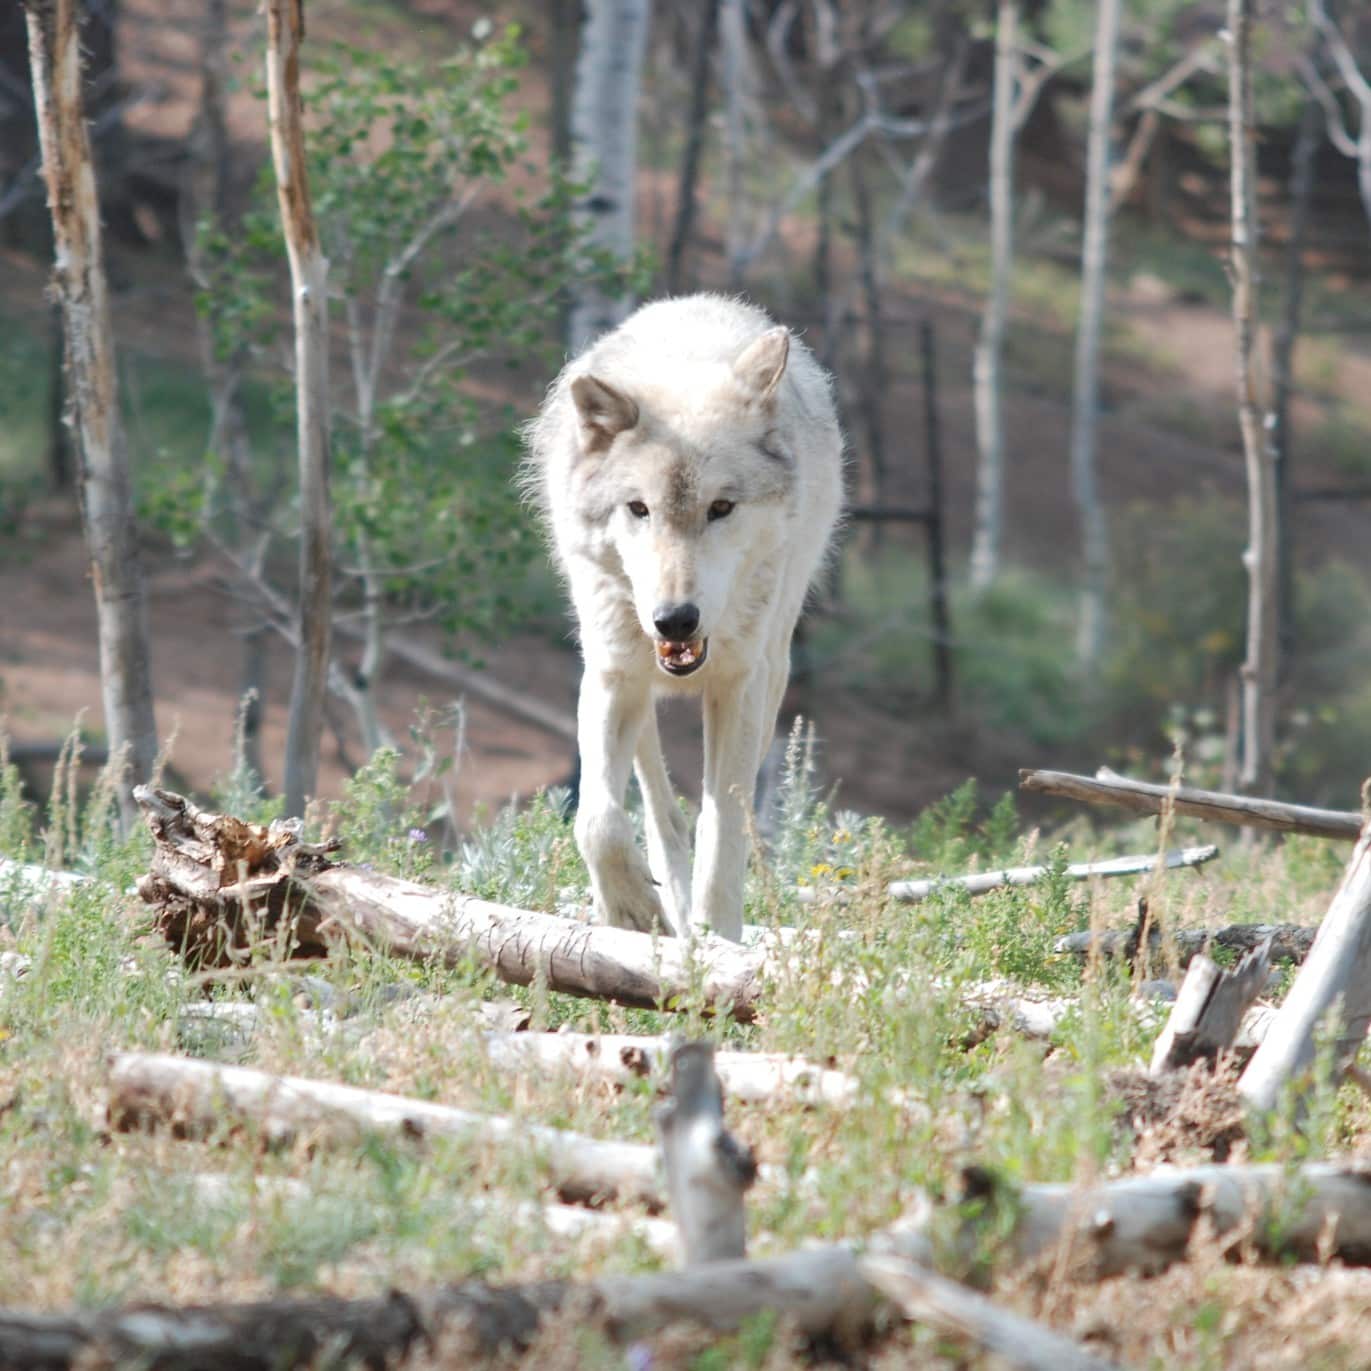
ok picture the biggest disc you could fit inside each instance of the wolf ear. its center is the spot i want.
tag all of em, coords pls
(761, 364)
(603, 412)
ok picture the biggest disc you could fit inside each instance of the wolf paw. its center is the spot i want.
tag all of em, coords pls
(626, 896)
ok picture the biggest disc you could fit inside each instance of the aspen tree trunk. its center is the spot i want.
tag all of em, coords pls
(604, 143)
(105, 484)
(309, 289)
(1090, 627)
(1259, 668)
(986, 372)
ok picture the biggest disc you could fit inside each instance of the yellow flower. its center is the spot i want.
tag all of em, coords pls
(820, 869)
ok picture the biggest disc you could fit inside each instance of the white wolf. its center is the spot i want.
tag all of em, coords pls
(689, 466)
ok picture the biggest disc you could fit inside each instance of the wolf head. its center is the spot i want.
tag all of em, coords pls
(685, 476)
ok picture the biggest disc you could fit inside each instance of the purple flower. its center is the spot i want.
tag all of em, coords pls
(638, 1357)
(417, 835)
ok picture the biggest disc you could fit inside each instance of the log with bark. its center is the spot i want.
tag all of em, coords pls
(1333, 984)
(199, 1099)
(218, 884)
(1246, 811)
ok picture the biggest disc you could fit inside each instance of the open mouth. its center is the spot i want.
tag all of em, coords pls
(680, 659)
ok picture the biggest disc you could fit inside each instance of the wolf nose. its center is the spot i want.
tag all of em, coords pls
(676, 623)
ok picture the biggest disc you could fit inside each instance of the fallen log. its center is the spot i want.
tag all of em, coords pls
(1289, 942)
(217, 884)
(748, 1077)
(1209, 1011)
(1316, 1212)
(926, 1297)
(199, 1099)
(1142, 797)
(1335, 979)
(981, 882)
(708, 1171)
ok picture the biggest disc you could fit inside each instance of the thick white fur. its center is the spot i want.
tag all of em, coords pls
(722, 405)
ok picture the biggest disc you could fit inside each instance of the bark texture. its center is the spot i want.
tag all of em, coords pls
(105, 482)
(309, 292)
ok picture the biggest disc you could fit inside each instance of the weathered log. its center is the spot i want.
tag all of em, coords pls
(708, 1171)
(981, 882)
(1335, 978)
(217, 883)
(926, 1297)
(1209, 1011)
(1314, 1212)
(1288, 942)
(750, 1077)
(1142, 797)
(198, 1099)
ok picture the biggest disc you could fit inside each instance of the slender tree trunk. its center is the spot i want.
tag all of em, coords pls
(732, 53)
(105, 484)
(987, 366)
(695, 140)
(604, 140)
(1283, 372)
(309, 286)
(1090, 627)
(1259, 668)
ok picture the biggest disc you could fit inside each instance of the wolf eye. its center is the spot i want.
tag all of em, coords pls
(637, 509)
(720, 509)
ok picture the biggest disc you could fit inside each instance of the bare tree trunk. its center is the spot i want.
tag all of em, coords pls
(873, 381)
(987, 365)
(694, 146)
(604, 140)
(1259, 668)
(106, 486)
(309, 285)
(1283, 373)
(205, 197)
(732, 43)
(1090, 625)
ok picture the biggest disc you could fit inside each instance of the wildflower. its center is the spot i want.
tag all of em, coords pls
(820, 869)
(417, 835)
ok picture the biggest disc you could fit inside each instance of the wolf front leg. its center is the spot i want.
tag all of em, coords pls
(733, 719)
(610, 718)
(668, 834)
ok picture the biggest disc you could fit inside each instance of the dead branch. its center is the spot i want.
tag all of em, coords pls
(1142, 797)
(926, 1297)
(200, 1099)
(979, 883)
(1335, 979)
(218, 884)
